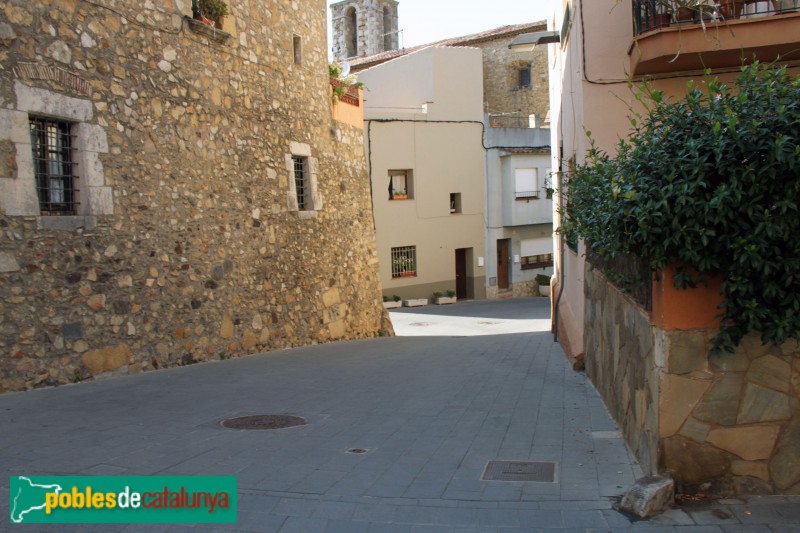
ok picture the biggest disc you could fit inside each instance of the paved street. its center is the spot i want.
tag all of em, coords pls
(429, 411)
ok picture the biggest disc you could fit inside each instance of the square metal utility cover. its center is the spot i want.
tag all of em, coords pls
(543, 472)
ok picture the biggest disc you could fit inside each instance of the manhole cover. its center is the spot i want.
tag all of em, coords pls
(544, 472)
(264, 422)
(421, 324)
(488, 323)
(357, 450)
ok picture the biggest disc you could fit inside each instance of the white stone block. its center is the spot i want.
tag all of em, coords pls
(34, 100)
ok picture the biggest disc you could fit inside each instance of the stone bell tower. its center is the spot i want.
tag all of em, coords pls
(364, 27)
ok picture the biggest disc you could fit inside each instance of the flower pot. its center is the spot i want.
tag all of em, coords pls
(661, 19)
(544, 290)
(445, 300)
(392, 305)
(409, 274)
(685, 15)
(416, 302)
(731, 9)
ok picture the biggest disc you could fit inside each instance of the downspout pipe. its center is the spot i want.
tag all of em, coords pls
(562, 278)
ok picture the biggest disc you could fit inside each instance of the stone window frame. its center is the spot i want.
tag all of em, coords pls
(18, 196)
(313, 198)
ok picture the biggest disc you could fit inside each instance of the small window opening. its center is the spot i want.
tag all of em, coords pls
(455, 202)
(401, 186)
(524, 79)
(297, 42)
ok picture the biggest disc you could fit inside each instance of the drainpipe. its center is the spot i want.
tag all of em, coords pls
(562, 277)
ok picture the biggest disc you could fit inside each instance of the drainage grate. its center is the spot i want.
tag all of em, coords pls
(264, 422)
(543, 472)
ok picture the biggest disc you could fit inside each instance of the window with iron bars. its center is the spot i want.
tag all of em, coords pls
(51, 142)
(301, 182)
(529, 262)
(404, 262)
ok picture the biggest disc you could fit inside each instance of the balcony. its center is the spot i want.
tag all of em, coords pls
(346, 104)
(669, 38)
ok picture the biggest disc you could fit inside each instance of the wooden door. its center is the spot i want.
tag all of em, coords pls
(502, 263)
(461, 273)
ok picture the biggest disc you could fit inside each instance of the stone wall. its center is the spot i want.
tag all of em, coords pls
(188, 243)
(501, 78)
(620, 361)
(721, 425)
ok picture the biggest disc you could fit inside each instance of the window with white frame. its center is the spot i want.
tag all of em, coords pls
(526, 183)
(404, 261)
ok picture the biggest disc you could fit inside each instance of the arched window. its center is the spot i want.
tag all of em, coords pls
(387, 29)
(351, 32)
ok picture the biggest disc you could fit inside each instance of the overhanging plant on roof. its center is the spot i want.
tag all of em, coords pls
(343, 84)
(215, 10)
(709, 184)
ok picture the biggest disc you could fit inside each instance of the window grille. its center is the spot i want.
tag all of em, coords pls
(300, 182)
(51, 142)
(529, 262)
(404, 261)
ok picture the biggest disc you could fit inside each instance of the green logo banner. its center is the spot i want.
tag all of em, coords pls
(123, 499)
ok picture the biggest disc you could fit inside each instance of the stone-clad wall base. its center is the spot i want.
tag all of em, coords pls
(191, 250)
(722, 425)
(620, 360)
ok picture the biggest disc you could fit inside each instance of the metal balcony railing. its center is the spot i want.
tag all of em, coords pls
(649, 15)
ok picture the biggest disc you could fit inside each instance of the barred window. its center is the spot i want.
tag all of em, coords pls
(404, 261)
(301, 182)
(530, 262)
(51, 142)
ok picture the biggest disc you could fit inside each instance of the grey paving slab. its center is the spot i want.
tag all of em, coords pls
(431, 410)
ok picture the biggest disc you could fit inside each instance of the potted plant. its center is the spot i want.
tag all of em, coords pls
(404, 266)
(392, 303)
(213, 11)
(439, 298)
(416, 302)
(399, 195)
(544, 284)
(662, 15)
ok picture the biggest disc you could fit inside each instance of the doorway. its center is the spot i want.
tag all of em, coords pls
(502, 263)
(461, 273)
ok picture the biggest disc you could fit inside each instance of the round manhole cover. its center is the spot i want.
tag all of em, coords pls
(264, 422)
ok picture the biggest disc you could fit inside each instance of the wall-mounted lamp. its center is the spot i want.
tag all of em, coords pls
(528, 41)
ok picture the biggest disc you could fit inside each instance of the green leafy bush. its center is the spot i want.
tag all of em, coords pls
(711, 184)
(543, 280)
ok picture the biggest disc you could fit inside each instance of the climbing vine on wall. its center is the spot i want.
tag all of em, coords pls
(711, 184)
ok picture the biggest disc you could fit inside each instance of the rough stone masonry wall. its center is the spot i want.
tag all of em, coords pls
(620, 361)
(724, 425)
(501, 79)
(188, 247)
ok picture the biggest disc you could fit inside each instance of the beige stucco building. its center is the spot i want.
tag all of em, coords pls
(424, 115)
(716, 425)
(513, 150)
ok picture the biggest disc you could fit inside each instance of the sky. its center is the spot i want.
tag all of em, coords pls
(426, 21)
